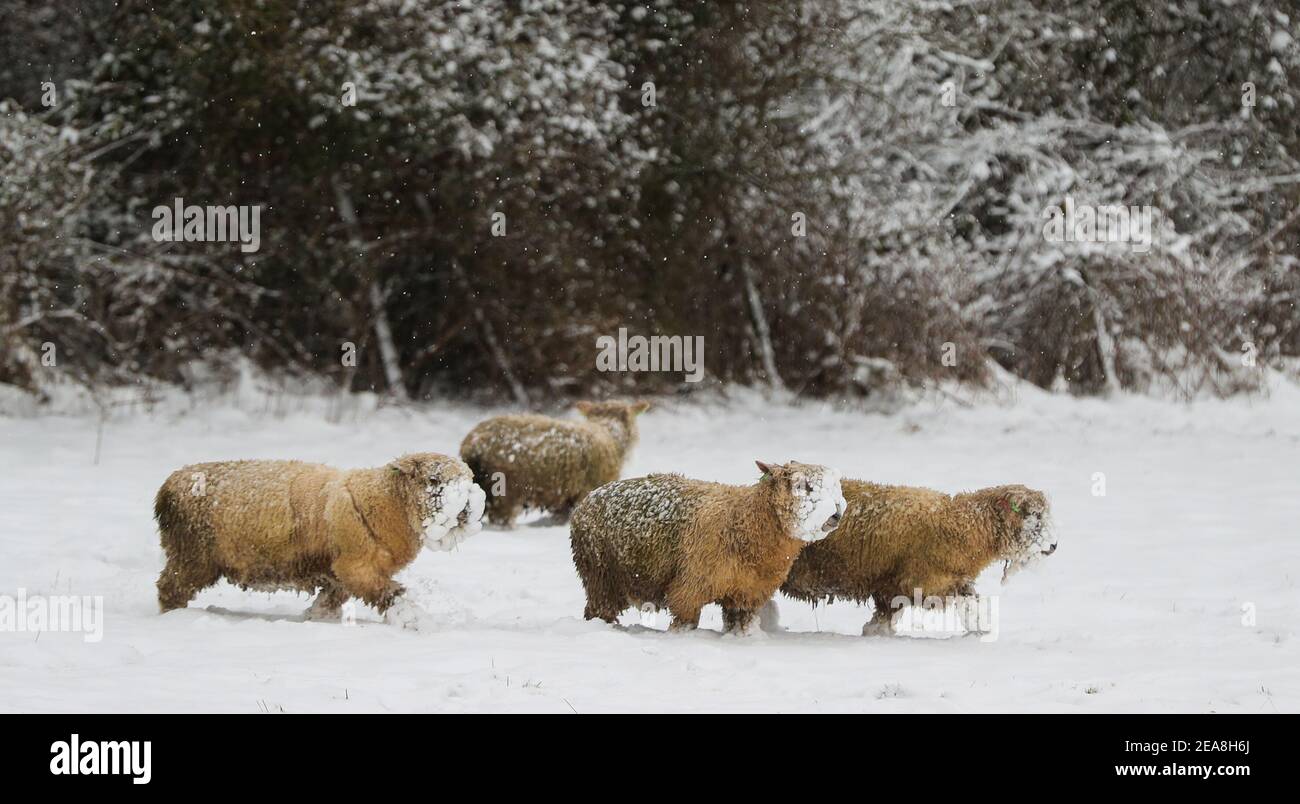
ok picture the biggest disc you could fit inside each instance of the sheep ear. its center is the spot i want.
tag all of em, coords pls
(764, 468)
(583, 407)
(641, 406)
(405, 465)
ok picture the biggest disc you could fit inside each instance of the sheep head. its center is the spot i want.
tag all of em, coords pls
(449, 506)
(626, 411)
(807, 496)
(1027, 529)
(618, 417)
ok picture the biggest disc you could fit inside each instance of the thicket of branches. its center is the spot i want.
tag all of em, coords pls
(835, 194)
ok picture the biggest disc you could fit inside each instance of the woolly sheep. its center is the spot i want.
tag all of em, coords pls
(679, 543)
(289, 525)
(896, 540)
(549, 464)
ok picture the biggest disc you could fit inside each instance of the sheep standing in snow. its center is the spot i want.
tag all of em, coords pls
(288, 525)
(681, 544)
(549, 464)
(896, 540)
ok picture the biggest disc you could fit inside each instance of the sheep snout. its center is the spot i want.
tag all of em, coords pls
(455, 509)
(820, 508)
(1041, 534)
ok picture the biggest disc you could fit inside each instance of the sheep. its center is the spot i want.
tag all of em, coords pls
(271, 525)
(674, 542)
(902, 543)
(538, 462)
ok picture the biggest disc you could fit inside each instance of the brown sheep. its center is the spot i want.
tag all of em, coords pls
(679, 543)
(901, 543)
(548, 464)
(289, 525)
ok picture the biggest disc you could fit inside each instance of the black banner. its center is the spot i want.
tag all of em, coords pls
(302, 752)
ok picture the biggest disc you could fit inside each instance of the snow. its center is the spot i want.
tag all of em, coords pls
(1175, 591)
(816, 502)
(455, 508)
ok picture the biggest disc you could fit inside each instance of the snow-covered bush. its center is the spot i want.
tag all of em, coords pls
(42, 194)
(841, 197)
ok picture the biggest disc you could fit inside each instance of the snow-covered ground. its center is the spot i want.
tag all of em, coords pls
(1175, 591)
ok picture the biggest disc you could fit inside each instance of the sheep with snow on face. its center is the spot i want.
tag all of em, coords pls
(548, 464)
(901, 543)
(305, 527)
(678, 543)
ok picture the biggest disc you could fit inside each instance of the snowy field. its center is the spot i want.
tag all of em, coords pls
(1178, 590)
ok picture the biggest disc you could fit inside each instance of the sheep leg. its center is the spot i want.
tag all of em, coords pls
(969, 608)
(685, 622)
(592, 612)
(882, 619)
(738, 620)
(503, 510)
(968, 602)
(359, 578)
(180, 581)
(685, 606)
(560, 515)
(605, 596)
(602, 602)
(328, 605)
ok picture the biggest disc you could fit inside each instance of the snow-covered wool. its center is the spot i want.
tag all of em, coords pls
(679, 543)
(895, 540)
(549, 464)
(309, 527)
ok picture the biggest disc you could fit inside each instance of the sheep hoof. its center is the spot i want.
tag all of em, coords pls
(877, 629)
(409, 616)
(323, 614)
(748, 632)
